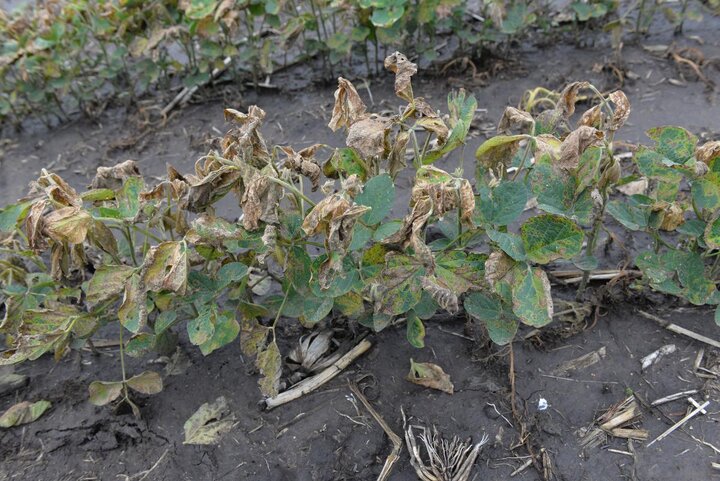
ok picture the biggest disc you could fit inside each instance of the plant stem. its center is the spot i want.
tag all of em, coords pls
(122, 362)
(590, 247)
(292, 189)
(277, 317)
(128, 238)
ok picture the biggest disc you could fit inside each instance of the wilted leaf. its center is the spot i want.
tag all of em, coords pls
(244, 144)
(269, 362)
(498, 151)
(209, 423)
(497, 267)
(310, 350)
(430, 375)
(574, 145)
(114, 177)
(548, 237)
(444, 297)
(102, 393)
(148, 382)
(133, 310)
(622, 109)
(102, 237)
(708, 152)
(23, 413)
(67, 224)
(513, 118)
(348, 108)
(369, 136)
(166, 267)
(304, 163)
(403, 70)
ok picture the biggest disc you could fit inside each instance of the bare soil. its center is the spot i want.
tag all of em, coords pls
(323, 436)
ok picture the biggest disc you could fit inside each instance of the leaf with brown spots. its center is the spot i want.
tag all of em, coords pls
(444, 297)
(369, 136)
(708, 152)
(622, 109)
(269, 362)
(244, 143)
(304, 163)
(574, 145)
(166, 267)
(68, 224)
(515, 119)
(261, 199)
(114, 177)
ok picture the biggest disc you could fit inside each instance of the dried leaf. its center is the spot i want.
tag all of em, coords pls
(252, 336)
(708, 152)
(166, 267)
(673, 215)
(591, 117)
(430, 375)
(444, 297)
(635, 187)
(245, 143)
(114, 177)
(260, 201)
(514, 118)
(568, 97)
(68, 224)
(574, 145)
(34, 225)
(209, 423)
(132, 313)
(269, 362)
(369, 136)
(108, 281)
(311, 349)
(56, 189)
(348, 108)
(622, 109)
(23, 413)
(304, 163)
(403, 70)
(497, 267)
(396, 159)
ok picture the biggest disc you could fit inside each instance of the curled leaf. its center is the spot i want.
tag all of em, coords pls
(403, 70)
(568, 97)
(622, 109)
(369, 136)
(310, 350)
(34, 224)
(244, 143)
(513, 118)
(430, 375)
(444, 297)
(114, 177)
(304, 163)
(261, 200)
(348, 108)
(708, 152)
(574, 145)
(68, 224)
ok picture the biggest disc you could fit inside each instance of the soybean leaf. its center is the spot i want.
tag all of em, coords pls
(23, 413)
(315, 309)
(511, 244)
(269, 362)
(503, 204)
(379, 194)
(415, 330)
(548, 237)
(532, 302)
(430, 375)
(632, 212)
(557, 194)
(202, 328)
(148, 382)
(226, 330)
(231, 272)
(102, 393)
(209, 423)
(462, 110)
(107, 282)
(676, 144)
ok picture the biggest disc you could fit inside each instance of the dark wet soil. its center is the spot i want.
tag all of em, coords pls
(327, 436)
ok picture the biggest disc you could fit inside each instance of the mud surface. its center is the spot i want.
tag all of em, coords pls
(327, 436)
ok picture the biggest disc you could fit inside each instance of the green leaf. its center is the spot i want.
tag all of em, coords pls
(557, 194)
(23, 413)
(503, 204)
(10, 215)
(415, 331)
(706, 192)
(717, 316)
(379, 194)
(501, 328)
(102, 393)
(315, 309)
(712, 234)
(164, 321)
(209, 423)
(361, 235)
(532, 302)
(511, 244)
(231, 272)
(386, 230)
(462, 111)
(149, 382)
(676, 144)
(140, 344)
(225, 331)
(201, 329)
(548, 237)
(128, 198)
(346, 162)
(132, 313)
(631, 212)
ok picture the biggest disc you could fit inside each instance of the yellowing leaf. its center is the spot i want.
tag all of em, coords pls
(269, 362)
(149, 382)
(209, 423)
(68, 224)
(102, 393)
(165, 267)
(23, 413)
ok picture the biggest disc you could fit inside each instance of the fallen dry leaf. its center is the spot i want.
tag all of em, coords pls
(430, 375)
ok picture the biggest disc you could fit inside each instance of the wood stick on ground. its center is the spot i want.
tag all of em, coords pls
(679, 330)
(394, 438)
(308, 385)
(186, 92)
(689, 416)
(673, 397)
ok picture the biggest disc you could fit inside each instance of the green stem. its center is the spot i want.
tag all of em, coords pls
(277, 317)
(292, 189)
(128, 238)
(590, 247)
(122, 362)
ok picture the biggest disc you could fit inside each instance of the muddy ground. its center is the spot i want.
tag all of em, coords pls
(323, 436)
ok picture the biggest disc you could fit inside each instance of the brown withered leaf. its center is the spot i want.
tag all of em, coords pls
(673, 215)
(369, 136)
(396, 159)
(410, 234)
(436, 126)
(403, 70)
(261, 199)
(252, 336)
(212, 180)
(568, 97)
(574, 145)
(34, 224)
(245, 143)
(622, 109)
(166, 267)
(430, 375)
(445, 192)
(591, 117)
(102, 237)
(513, 118)
(348, 108)
(56, 189)
(708, 151)
(497, 267)
(114, 177)
(304, 163)
(67, 224)
(269, 362)
(444, 297)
